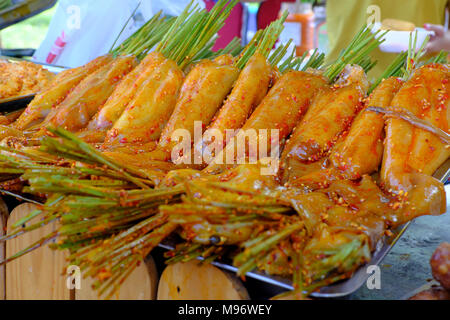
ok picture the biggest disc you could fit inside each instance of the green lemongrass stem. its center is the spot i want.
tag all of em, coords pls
(102, 285)
(360, 46)
(249, 50)
(267, 243)
(297, 279)
(216, 20)
(256, 240)
(234, 48)
(72, 172)
(66, 185)
(277, 56)
(414, 55)
(24, 153)
(111, 217)
(121, 279)
(264, 41)
(98, 156)
(109, 253)
(136, 37)
(41, 242)
(132, 233)
(319, 284)
(277, 52)
(239, 206)
(145, 48)
(18, 196)
(187, 35)
(52, 200)
(247, 266)
(157, 28)
(48, 218)
(228, 198)
(440, 58)
(315, 60)
(124, 26)
(174, 28)
(273, 31)
(393, 70)
(294, 62)
(194, 251)
(32, 227)
(143, 245)
(103, 224)
(325, 266)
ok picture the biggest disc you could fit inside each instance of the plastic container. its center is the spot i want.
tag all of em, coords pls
(300, 26)
(398, 41)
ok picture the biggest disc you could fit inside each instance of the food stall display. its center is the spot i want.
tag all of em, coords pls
(346, 162)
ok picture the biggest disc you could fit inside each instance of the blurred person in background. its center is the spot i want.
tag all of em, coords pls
(82, 30)
(440, 40)
(345, 18)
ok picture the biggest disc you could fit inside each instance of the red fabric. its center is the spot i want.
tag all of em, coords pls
(268, 12)
(232, 27)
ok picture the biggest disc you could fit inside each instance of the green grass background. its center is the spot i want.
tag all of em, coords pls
(28, 33)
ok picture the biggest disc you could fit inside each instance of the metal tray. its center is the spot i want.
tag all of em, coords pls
(360, 276)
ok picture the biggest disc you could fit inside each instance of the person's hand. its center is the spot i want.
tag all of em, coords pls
(440, 40)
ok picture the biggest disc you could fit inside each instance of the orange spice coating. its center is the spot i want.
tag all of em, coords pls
(148, 112)
(56, 91)
(362, 149)
(123, 94)
(202, 94)
(282, 107)
(409, 149)
(83, 102)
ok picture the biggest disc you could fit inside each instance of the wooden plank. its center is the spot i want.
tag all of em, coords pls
(140, 285)
(4, 213)
(194, 281)
(37, 275)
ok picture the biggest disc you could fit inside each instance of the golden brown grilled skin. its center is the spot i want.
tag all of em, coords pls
(411, 150)
(75, 112)
(328, 118)
(281, 108)
(202, 94)
(145, 116)
(362, 149)
(251, 87)
(121, 97)
(56, 92)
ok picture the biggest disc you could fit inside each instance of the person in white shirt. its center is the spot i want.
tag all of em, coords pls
(82, 30)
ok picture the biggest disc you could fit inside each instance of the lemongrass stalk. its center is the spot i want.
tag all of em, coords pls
(267, 243)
